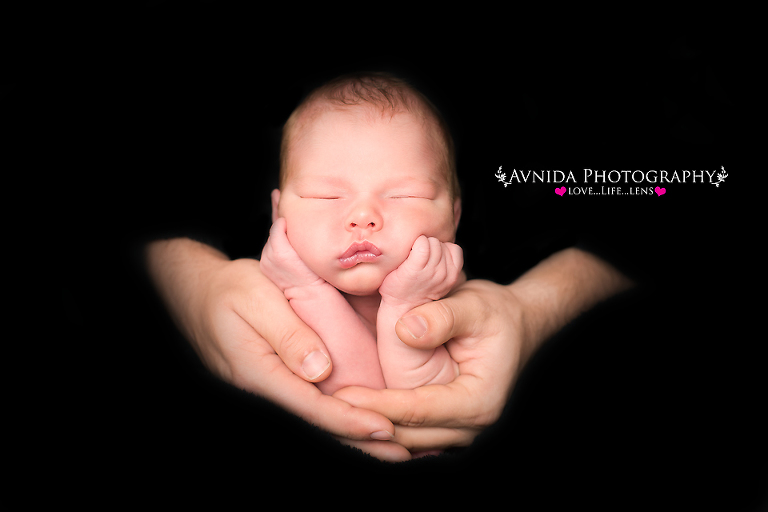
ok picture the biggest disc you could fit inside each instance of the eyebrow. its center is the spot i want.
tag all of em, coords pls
(323, 178)
(411, 181)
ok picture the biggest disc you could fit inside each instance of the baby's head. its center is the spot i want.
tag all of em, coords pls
(366, 167)
(378, 95)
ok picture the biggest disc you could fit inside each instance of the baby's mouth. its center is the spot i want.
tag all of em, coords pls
(359, 252)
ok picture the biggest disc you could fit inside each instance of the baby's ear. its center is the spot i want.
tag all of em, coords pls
(456, 213)
(275, 203)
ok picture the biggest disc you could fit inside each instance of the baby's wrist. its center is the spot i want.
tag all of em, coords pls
(404, 304)
(310, 290)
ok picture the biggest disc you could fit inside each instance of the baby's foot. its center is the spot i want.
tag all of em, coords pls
(430, 271)
(280, 262)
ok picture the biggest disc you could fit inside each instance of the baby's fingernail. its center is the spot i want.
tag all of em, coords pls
(315, 364)
(382, 435)
(415, 325)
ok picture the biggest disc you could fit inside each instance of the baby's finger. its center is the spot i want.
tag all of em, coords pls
(435, 252)
(278, 227)
(278, 237)
(420, 252)
(456, 255)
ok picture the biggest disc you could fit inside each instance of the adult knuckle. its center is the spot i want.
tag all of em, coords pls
(487, 418)
(242, 265)
(410, 420)
(290, 343)
(412, 411)
(446, 313)
(490, 413)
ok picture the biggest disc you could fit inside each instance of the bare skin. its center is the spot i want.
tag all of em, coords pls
(322, 307)
(360, 353)
(432, 269)
(245, 331)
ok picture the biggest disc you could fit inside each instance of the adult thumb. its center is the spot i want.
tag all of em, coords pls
(299, 347)
(430, 325)
(303, 352)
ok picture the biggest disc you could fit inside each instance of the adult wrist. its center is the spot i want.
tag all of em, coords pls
(179, 268)
(562, 287)
(526, 312)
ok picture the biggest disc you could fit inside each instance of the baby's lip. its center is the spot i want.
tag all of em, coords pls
(359, 252)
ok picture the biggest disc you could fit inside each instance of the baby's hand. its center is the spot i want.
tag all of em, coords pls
(280, 262)
(429, 272)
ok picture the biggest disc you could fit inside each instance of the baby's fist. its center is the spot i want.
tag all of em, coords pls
(430, 271)
(280, 262)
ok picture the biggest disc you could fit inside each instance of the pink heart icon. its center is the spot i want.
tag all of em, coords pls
(660, 191)
(560, 191)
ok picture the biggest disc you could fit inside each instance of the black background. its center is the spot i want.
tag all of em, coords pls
(164, 120)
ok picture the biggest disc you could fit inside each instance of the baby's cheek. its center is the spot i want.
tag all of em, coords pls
(439, 225)
(304, 248)
(400, 256)
(446, 232)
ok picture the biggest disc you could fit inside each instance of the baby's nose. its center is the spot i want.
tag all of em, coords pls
(364, 219)
(369, 225)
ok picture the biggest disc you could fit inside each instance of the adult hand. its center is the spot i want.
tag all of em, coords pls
(492, 331)
(484, 325)
(246, 333)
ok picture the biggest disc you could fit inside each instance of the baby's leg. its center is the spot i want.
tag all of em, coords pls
(350, 344)
(429, 272)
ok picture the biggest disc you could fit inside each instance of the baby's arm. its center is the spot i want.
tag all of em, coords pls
(322, 307)
(429, 273)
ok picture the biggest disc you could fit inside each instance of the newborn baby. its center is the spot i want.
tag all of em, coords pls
(363, 225)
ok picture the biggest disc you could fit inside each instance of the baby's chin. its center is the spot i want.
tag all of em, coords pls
(363, 279)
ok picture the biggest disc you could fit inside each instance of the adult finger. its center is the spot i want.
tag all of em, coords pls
(299, 347)
(387, 451)
(434, 438)
(450, 405)
(260, 370)
(432, 324)
(334, 415)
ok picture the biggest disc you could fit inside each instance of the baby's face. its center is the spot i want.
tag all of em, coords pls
(359, 193)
